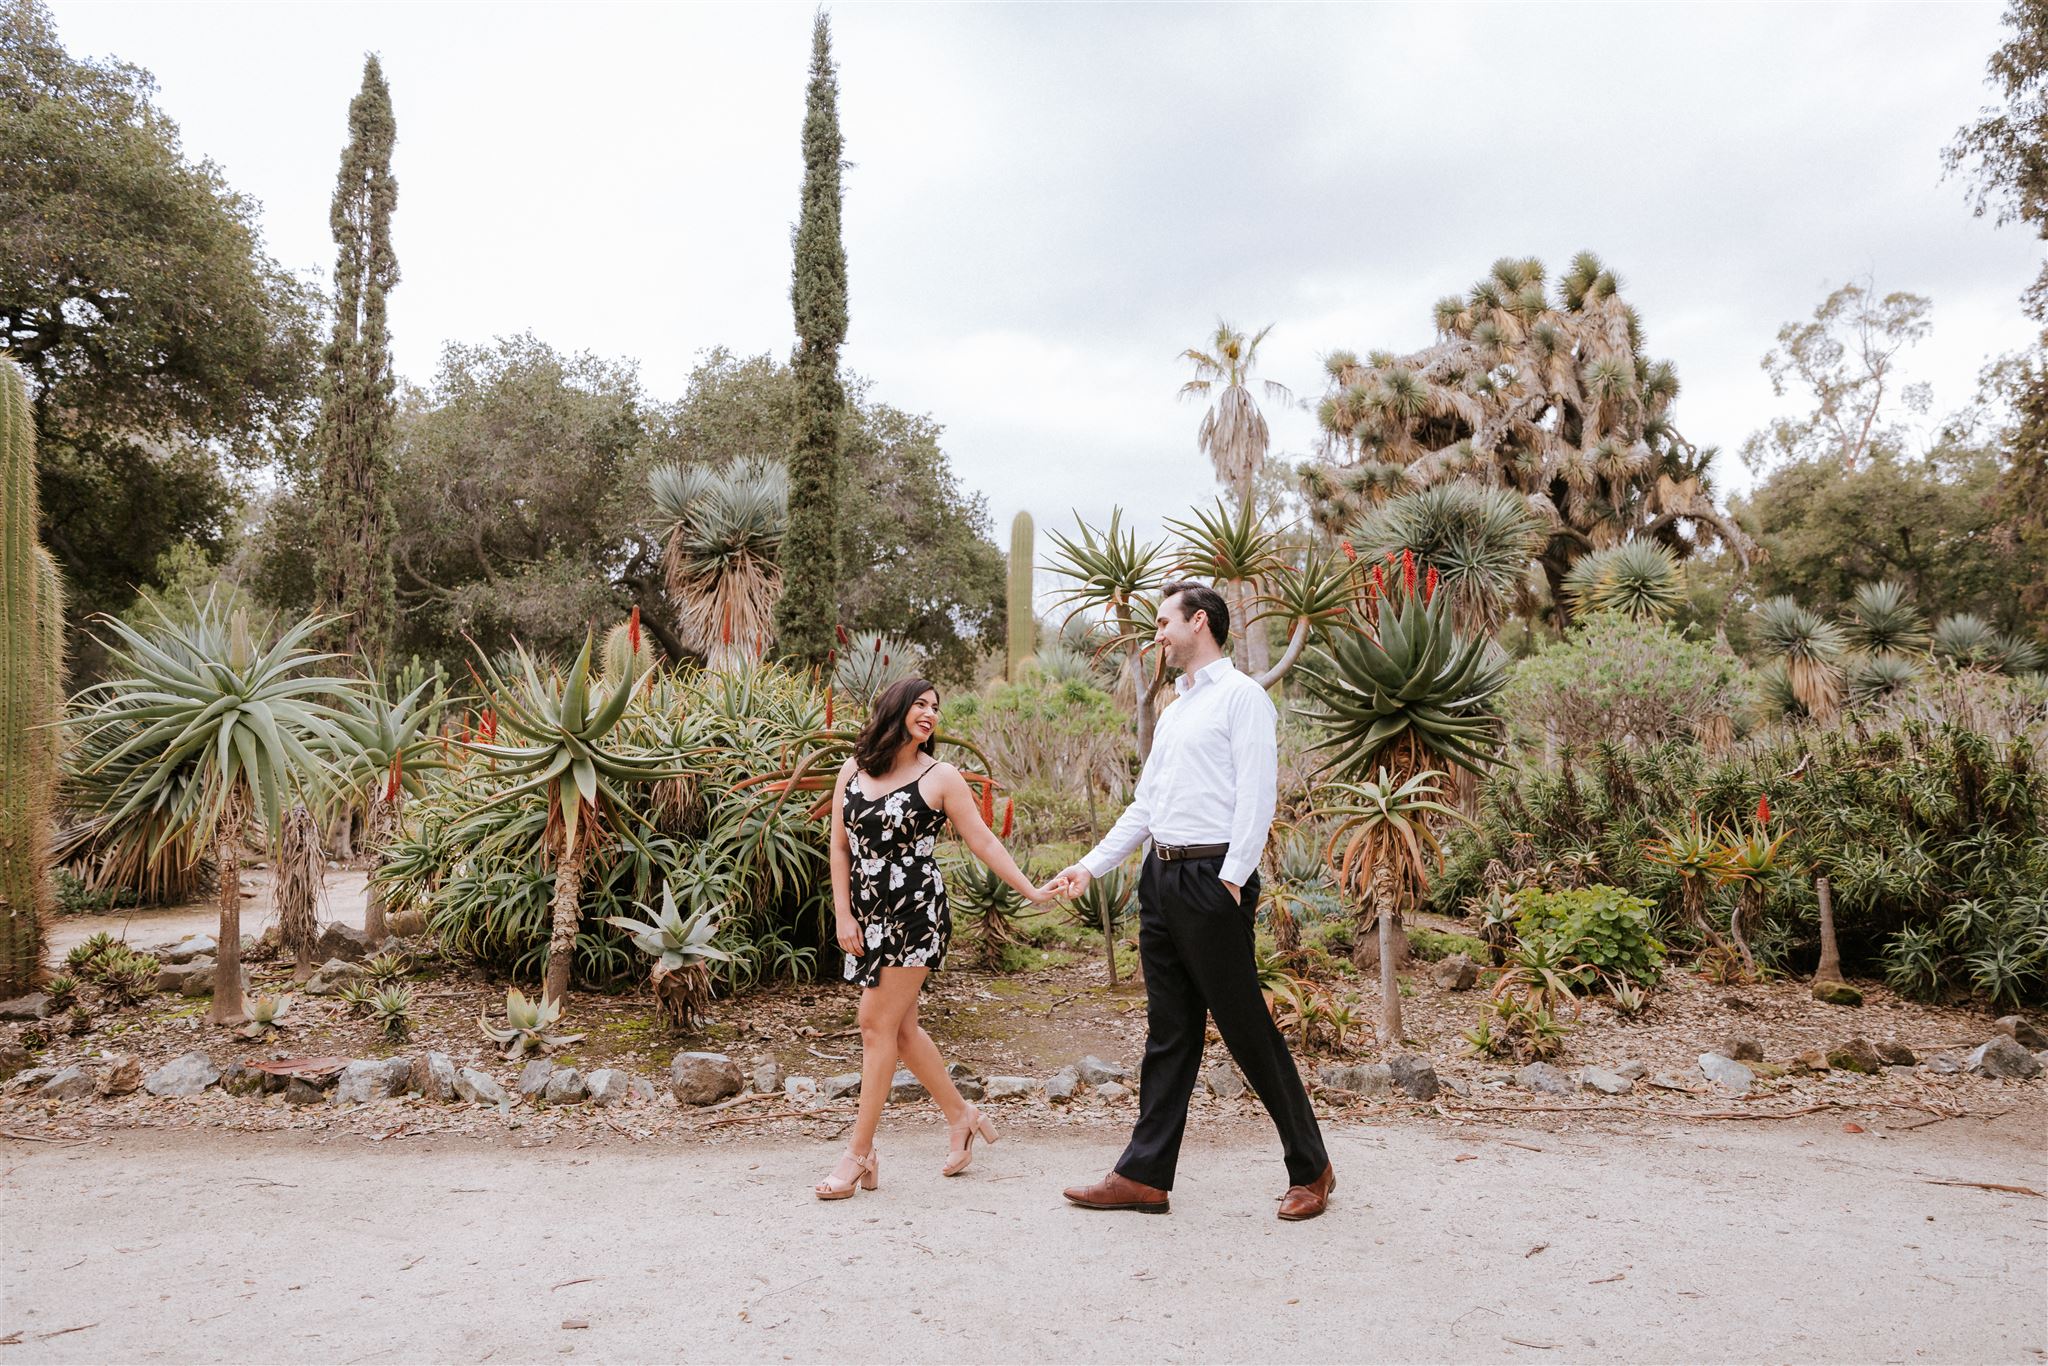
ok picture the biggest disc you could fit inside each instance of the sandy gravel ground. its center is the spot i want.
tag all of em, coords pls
(1709, 1242)
(343, 897)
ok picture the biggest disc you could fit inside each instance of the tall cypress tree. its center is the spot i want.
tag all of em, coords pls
(353, 438)
(809, 608)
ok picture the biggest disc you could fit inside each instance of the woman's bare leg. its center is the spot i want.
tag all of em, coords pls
(922, 1057)
(882, 1010)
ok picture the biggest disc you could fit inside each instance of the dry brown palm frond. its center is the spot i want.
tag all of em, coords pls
(298, 886)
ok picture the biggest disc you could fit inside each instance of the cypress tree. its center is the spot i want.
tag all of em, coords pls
(353, 438)
(809, 608)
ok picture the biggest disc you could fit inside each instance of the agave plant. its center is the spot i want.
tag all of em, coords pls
(1811, 648)
(1883, 621)
(1406, 690)
(128, 977)
(387, 969)
(266, 1013)
(1381, 841)
(89, 956)
(571, 755)
(526, 1025)
(219, 730)
(62, 991)
(993, 907)
(1640, 579)
(681, 947)
(725, 530)
(391, 1010)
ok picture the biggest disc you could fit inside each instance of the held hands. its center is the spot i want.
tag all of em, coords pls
(1070, 882)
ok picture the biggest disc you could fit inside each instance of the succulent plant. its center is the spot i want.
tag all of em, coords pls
(128, 977)
(62, 990)
(86, 960)
(266, 1013)
(527, 1023)
(388, 968)
(391, 1008)
(356, 995)
(681, 946)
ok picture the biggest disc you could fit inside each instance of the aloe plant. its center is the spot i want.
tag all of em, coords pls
(527, 1023)
(266, 1013)
(681, 946)
(389, 745)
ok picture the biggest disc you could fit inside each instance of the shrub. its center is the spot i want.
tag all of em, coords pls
(1603, 927)
(1621, 679)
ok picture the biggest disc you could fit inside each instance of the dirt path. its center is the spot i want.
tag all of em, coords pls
(1724, 1242)
(343, 897)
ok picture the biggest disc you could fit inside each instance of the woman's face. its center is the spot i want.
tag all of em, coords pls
(923, 717)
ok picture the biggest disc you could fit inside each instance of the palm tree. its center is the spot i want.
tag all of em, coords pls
(1546, 395)
(1234, 436)
(219, 730)
(725, 530)
(566, 750)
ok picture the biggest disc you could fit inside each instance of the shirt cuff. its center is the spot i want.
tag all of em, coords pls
(1097, 864)
(1239, 870)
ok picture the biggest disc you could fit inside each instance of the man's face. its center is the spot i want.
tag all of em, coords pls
(1177, 634)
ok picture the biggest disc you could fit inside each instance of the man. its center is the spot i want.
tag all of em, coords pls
(1205, 800)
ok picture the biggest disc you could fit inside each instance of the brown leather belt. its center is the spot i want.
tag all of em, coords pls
(1174, 853)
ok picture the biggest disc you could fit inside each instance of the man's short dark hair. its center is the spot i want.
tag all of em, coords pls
(1200, 597)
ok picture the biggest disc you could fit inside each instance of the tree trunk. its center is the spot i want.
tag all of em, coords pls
(567, 915)
(1258, 651)
(228, 1006)
(383, 824)
(1390, 986)
(1740, 935)
(1830, 969)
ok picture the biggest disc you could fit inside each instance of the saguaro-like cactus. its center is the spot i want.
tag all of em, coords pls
(1023, 641)
(26, 753)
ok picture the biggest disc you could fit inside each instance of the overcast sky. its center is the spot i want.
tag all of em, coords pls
(1049, 203)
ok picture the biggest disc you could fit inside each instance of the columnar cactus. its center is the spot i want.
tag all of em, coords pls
(24, 699)
(1023, 640)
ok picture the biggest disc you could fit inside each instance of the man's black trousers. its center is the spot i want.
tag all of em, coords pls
(1196, 945)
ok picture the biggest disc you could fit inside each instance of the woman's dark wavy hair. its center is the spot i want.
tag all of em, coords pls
(884, 734)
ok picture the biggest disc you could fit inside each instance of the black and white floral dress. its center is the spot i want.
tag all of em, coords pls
(899, 894)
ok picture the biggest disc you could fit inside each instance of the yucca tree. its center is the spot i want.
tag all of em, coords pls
(564, 746)
(1112, 573)
(389, 745)
(1874, 678)
(219, 730)
(1640, 579)
(1965, 640)
(1234, 436)
(1480, 540)
(1230, 547)
(1547, 394)
(725, 528)
(1381, 840)
(1883, 621)
(1812, 650)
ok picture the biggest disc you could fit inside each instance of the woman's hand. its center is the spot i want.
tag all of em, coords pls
(847, 931)
(1039, 896)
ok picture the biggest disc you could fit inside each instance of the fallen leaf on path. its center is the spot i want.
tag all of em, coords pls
(1524, 1342)
(1466, 1157)
(1530, 1253)
(585, 1323)
(1609, 1280)
(1852, 1128)
(1989, 1186)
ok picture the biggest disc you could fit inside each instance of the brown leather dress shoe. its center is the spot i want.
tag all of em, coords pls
(1306, 1202)
(1119, 1192)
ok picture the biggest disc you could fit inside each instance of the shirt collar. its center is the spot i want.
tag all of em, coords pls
(1210, 673)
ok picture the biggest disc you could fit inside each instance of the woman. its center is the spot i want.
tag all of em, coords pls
(889, 900)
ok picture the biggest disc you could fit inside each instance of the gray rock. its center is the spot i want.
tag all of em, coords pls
(2022, 1032)
(1671, 1081)
(72, 1083)
(2003, 1056)
(1112, 1091)
(362, 1081)
(1855, 1055)
(1633, 1070)
(1895, 1054)
(1010, 1088)
(1061, 1085)
(608, 1086)
(124, 1075)
(1457, 973)
(971, 1088)
(191, 978)
(237, 1080)
(533, 1078)
(641, 1088)
(1360, 1079)
(33, 1077)
(1726, 1073)
(1224, 1081)
(1945, 1064)
(185, 1075)
(703, 1078)
(34, 1006)
(1605, 1082)
(960, 1071)
(397, 1076)
(767, 1077)
(13, 1058)
(331, 977)
(186, 949)
(1093, 1071)
(1456, 1086)
(299, 1091)
(433, 1076)
(565, 1087)
(844, 1086)
(800, 1090)
(479, 1088)
(1414, 1076)
(905, 1087)
(1741, 1048)
(1544, 1079)
(341, 941)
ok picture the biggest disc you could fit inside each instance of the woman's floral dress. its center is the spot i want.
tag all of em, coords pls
(899, 894)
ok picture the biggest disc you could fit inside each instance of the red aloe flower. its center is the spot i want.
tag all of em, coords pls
(1763, 809)
(988, 801)
(1408, 570)
(1429, 585)
(1009, 816)
(1379, 581)
(397, 769)
(840, 632)
(828, 709)
(633, 628)
(1350, 552)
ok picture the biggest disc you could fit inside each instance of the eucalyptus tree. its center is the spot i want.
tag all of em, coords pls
(213, 726)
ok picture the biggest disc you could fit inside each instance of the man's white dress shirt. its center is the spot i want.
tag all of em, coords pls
(1210, 777)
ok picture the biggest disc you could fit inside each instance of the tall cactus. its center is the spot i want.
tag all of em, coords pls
(24, 699)
(1023, 643)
